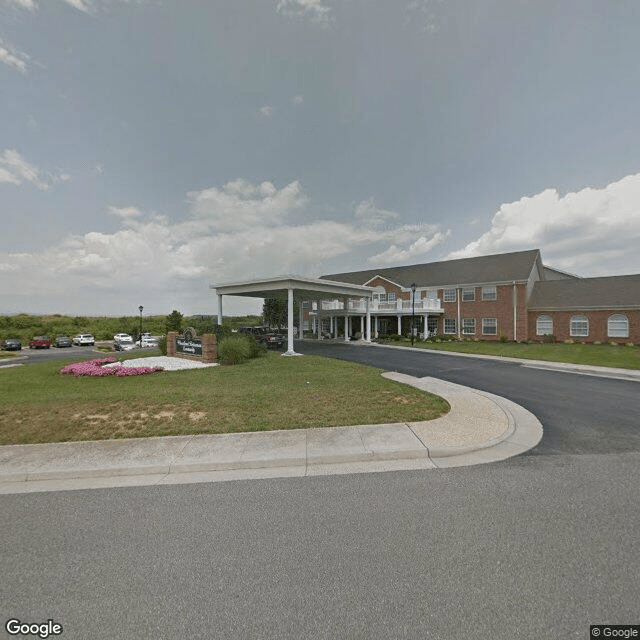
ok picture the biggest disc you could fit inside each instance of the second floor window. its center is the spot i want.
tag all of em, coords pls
(449, 295)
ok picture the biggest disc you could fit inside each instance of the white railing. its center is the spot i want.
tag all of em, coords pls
(399, 306)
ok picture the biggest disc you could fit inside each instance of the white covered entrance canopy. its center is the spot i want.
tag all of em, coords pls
(290, 288)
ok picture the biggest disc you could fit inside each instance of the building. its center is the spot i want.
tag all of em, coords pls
(485, 298)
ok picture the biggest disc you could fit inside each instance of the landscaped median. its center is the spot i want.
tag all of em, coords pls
(620, 356)
(268, 393)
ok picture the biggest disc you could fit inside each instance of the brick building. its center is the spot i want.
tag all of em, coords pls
(512, 295)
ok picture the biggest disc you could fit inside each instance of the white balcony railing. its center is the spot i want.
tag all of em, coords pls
(375, 306)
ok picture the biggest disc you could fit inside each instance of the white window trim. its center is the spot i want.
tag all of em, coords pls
(465, 292)
(449, 321)
(444, 295)
(489, 294)
(622, 330)
(489, 323)
(391, 297)
(546, 319)
(578, 319)
(466, 331)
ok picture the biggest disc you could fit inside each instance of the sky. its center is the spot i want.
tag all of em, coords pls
(150, 148)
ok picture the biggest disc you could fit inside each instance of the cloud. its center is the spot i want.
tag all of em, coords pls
(237, 231)
(589, 232)
(371, 215)
(417, 250)
(15, 170)
(425, 15)
(265, 112)
(297, 101)
(28, 5)
(314, 10)
(13, 58)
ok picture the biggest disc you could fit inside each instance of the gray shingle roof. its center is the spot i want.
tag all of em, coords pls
(503, 267)
(615, 292)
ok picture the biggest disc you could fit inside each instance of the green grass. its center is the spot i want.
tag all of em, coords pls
(602, 355)
(39, 405)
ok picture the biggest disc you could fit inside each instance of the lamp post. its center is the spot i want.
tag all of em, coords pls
(413, 309)
(140, 308)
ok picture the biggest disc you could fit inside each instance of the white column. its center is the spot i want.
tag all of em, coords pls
(335, 327)
(290, 351)
(346, 328)
(219, 308)
(301, 313)
(361, 327)
(425, 333)
(368, 336)
(399, 325)
(375, 329)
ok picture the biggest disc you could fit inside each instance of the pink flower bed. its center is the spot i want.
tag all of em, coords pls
(97, 368)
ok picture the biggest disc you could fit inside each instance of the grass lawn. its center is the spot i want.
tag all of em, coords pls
(37, 404)
(602, 355)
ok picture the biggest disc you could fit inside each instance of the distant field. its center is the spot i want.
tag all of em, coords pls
(272, 392)
(602, 355)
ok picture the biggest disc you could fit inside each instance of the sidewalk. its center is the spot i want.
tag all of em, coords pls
(480, 427)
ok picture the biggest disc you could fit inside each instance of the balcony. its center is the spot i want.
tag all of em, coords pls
(397, 307)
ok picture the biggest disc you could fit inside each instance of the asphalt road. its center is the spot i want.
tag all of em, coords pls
(538, 546)
(580, 414)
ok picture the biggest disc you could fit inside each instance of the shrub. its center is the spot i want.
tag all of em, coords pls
(504, 339)
(235, 349)
(162, 345)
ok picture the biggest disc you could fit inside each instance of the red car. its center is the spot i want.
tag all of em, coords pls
(40, 342)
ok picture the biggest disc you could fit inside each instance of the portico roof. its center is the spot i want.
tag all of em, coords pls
(303, 288)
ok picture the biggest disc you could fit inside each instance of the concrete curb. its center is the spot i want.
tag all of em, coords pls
(480, 427)
(564, 367)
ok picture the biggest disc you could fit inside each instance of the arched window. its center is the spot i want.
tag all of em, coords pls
(579, 327)
(544, 326)
(618, 326)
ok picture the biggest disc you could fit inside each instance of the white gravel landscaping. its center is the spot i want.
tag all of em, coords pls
(167, 363)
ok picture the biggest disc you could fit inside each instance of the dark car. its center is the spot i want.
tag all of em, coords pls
(62, 341)
(265, 336)
(40, 342)
(12, 344)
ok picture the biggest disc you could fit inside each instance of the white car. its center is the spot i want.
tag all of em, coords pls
(83, 339)
(124, 344)
(122, 336)
(148, 341)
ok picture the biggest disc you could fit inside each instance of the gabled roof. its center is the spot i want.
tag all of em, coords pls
(503, 267)
(614, 292)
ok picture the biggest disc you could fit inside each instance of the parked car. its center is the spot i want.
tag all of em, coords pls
(124, 344)
(13, 344)
(83, 339)
(40, 342)
(122, 336)
(62, 341)
(264, 335)
(147, 340)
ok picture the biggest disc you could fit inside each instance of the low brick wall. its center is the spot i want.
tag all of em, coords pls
(209, 348)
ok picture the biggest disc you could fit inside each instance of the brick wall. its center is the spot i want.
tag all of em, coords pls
(501, 309)
(209, 348)
(597, 325)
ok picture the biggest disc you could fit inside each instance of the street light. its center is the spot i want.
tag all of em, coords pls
(413, 309)
(140, 308)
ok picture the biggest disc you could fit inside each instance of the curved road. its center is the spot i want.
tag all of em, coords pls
(537, 547)
(581, 414)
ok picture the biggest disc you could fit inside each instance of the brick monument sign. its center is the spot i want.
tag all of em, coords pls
(191, 346)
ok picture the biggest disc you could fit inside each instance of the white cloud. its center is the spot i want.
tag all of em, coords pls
(589, 232)
(315, 10)
(29, 5)
(425, 15)
(417, 250)
(13, 58)
(297, 100)
(237, 231)
(369, 214)
(265, 112)
(16, 170)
